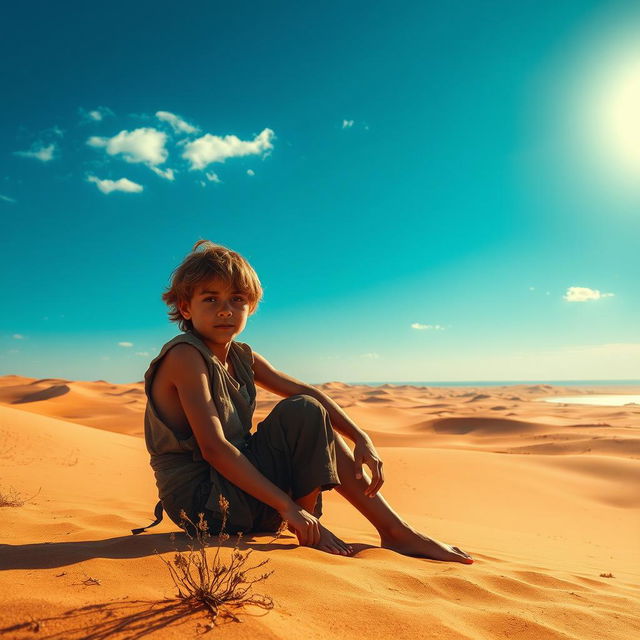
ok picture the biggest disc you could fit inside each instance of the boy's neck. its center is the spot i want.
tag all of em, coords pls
(219, 350)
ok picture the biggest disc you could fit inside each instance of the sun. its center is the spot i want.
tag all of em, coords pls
(610, 103)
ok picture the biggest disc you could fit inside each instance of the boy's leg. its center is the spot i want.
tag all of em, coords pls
(308, 502)
(293, 447)
(394, 532)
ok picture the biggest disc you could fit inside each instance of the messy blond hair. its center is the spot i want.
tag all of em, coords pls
(206, 261)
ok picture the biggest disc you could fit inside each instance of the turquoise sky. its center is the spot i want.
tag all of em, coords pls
(427, 190)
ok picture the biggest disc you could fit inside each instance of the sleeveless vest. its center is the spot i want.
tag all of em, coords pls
(177, 463)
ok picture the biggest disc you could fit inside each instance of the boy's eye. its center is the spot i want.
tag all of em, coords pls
(239, 298)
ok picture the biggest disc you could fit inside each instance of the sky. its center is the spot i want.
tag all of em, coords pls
(428, 191)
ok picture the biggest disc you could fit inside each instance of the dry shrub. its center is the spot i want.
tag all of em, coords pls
(205, 582)
(13, 498)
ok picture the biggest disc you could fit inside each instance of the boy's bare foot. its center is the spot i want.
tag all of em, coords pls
(409, 542)
(330, 543)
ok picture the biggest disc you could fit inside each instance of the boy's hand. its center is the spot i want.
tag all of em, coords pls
(305, 525)
(365, 453)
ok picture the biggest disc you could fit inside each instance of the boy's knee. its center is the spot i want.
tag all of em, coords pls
(300, 404)
(302, 411)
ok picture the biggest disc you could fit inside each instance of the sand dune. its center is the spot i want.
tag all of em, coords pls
(543, 496)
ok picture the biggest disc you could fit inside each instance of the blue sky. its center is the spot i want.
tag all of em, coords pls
(428, 191)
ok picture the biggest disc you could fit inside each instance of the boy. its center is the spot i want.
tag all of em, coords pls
(200, 400)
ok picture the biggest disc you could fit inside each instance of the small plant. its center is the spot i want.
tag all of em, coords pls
(13, 498)
(208, 583)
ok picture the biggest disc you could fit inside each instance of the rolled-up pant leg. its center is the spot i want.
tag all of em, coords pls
(293, 447)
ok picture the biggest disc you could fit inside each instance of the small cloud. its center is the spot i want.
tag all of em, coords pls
(17, 336)
(209, 148)
(347, 124)
(7, 199)
(143, 354)
(177, 123)
(145, 145)
(39, 152)
(532, 288)
(167, 174)
(426, 327)
(584, 294)
(370, 356)
(125, 344)
(213, 177)
(251, 172)
(95, 115)
(123, 184)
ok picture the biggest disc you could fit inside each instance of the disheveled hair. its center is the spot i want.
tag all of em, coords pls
(206, 261)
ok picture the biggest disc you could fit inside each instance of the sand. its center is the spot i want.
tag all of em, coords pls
(543, 496)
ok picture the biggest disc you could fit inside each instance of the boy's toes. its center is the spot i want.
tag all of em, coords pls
(329, 549)
(462, 553)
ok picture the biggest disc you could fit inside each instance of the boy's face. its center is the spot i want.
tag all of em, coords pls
(217, 311)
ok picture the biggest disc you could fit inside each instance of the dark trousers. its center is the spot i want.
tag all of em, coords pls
(294, 448)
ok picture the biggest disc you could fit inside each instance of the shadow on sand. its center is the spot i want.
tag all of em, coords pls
(125, 620)
(50, 555)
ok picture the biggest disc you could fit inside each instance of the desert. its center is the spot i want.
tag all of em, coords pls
(544, 496)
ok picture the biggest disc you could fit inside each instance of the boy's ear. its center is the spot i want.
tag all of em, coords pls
(183, 308)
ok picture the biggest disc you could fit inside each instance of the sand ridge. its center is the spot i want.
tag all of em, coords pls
(543, 496)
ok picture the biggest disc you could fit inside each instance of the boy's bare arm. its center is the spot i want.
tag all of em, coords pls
(188, 372)
(268, 377)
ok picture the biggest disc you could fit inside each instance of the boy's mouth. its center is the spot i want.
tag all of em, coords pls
(223, 326)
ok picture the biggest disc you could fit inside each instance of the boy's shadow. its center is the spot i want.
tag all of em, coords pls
(49, 555)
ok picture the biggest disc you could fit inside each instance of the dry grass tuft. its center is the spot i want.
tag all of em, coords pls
(208, 583)
(13, 498)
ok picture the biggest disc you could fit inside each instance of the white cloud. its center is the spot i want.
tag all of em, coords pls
(123, 184)
(177, 123)
(140, 145)
(209, 148)
(168, 174)
(347, 124)
(251, 172)
(213, 177)
(425, 327)
(8, 199)
(142, 354)
(39, 152)
(95, 115)
(125, 344)
(370, 356)
(583, 294)
(17, 336)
